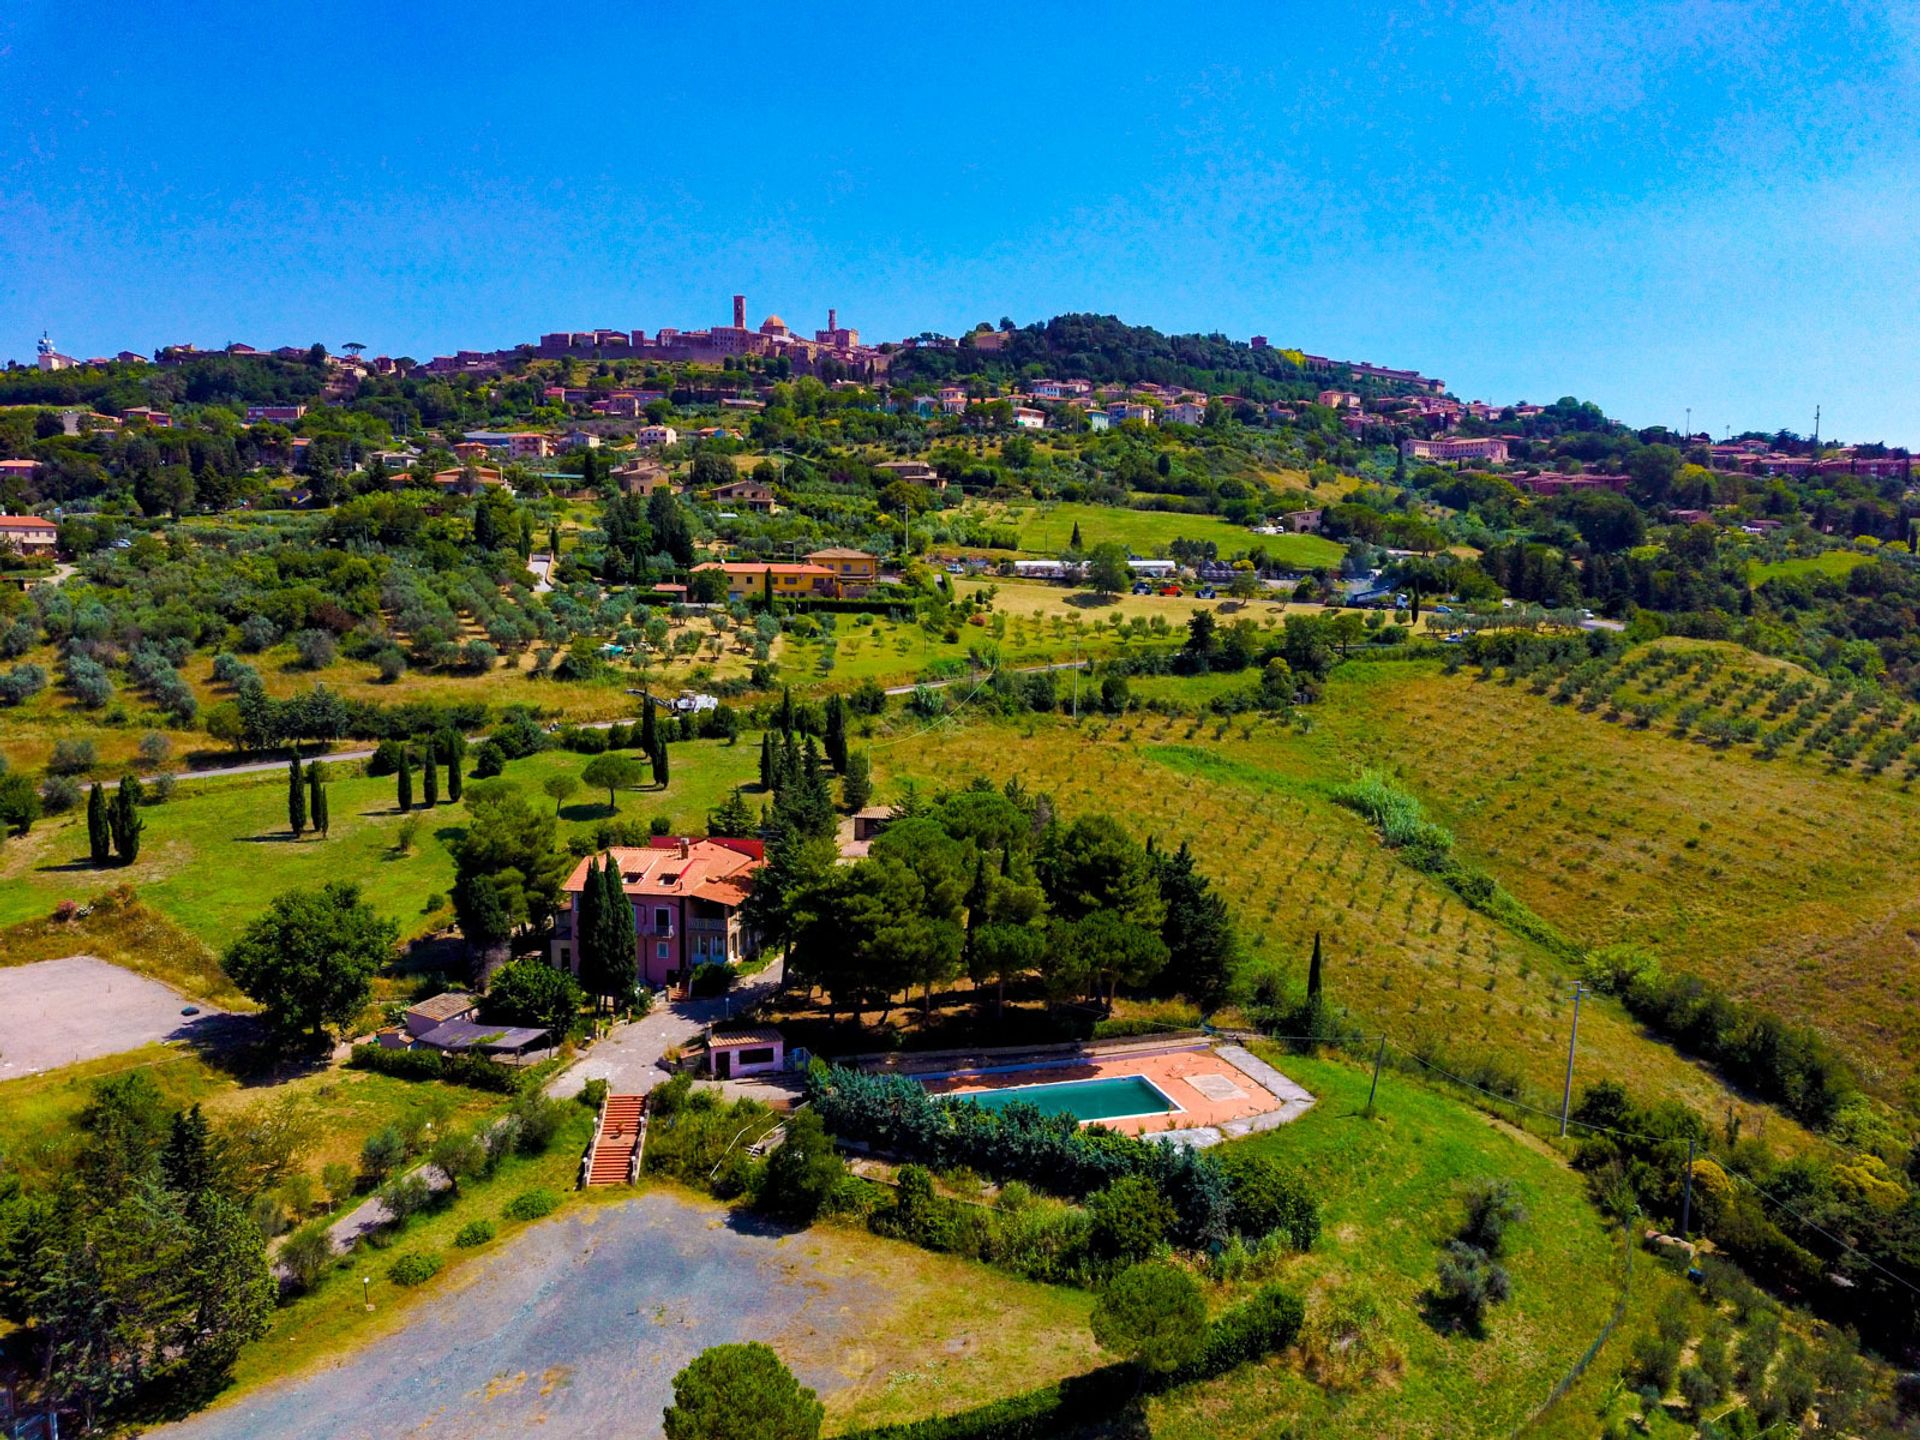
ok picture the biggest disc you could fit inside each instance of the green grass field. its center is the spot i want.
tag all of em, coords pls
(212, 857)
(1389, 1189)
(1834, 564)
(1046, 530)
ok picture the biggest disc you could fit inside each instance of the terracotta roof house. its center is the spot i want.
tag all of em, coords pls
(752, 579)
(854, 570)
(686, 895)
(29, 532)
(748, 495)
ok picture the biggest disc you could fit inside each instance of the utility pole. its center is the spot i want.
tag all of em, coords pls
(1378, 1056)
(1573, 1038)
(1686, 1196)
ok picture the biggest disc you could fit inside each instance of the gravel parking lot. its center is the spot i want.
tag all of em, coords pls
(59, 1012)
(574, 1327)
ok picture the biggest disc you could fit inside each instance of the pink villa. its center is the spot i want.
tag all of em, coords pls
(687, 896)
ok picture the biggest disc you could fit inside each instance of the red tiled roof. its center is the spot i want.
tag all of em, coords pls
(713, 869)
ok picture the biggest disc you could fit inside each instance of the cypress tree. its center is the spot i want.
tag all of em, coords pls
(1074, 543)
(649, 730)
(296, 797)
(835, 739)
(317, 798)
(456, 747)
(856, 786)
(766, 760)
(621, 936)
(124, 821)
(1313, 974)
(659, 758)
(430, 775)
(586, 931)
(403, 778)
(99, 831)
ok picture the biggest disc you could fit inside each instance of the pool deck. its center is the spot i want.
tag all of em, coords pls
(1223, 1091)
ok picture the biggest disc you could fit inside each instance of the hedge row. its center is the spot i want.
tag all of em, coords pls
(1267, 1323)
(897, 1115)
(473, 1070)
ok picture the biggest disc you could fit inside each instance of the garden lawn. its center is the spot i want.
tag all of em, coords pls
(1833, 564)
(1389, 1191)
(212, 857)
(1047, 529)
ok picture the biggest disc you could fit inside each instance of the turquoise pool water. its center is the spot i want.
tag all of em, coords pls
(1108, 1098)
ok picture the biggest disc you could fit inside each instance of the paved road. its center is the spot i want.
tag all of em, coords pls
(541, 564)
(60, 1012)
(1016, 670)
(629, 1059)
(574, 1327)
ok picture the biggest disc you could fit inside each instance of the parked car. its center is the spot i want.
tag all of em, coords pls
(1205, 592)
(1171, 590)
(1140, 587)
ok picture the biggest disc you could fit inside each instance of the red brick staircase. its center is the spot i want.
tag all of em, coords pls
(614, 1158)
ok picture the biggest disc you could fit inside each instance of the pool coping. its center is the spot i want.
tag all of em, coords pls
(1174, 1106)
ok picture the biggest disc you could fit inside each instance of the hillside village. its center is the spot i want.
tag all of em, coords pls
(1184, 886)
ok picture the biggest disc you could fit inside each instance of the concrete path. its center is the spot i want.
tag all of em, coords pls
(60, 1012)
(1294, 1100)
(573, 1327)
(629, 1059)
(541, 564)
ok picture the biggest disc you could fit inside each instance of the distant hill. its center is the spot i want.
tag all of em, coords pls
(1107, 350)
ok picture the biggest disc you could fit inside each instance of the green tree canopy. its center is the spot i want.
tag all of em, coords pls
(1154, 1315)
(741, 1392)
(310, 959)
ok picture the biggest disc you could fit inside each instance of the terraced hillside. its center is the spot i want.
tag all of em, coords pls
(1790, 880)
(1403, 953)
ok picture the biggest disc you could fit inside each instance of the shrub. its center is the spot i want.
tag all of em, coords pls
(489, 760)
(532, 1204)
(59, 794)
(1491, 1208)
(316, 648)
(711, 979)
(71, 757)
(21, 684)
(474, 1232)
(383, 1152)
(594, 1094)
(1268, 1199)
(414, 1268)
(803, 1171)
(1466, 1283)
(306, 1254)
(406, 1197)
(1130, 1219)
(1154, 1315)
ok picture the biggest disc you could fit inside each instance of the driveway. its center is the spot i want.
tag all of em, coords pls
(60, 1012)
(629, 1059)
(575, 1327)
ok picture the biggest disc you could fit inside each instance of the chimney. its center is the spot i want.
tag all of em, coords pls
(833, 318)
(739, 312)
(686, 847)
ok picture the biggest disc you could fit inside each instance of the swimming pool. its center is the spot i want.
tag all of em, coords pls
(1110, 1097)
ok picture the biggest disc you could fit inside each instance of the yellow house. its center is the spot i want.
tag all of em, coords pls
(747, 580)
(856, 570)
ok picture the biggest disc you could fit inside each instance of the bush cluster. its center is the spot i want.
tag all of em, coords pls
(896, 1115)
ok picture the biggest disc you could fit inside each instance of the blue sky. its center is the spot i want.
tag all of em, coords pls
(1652, 206)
